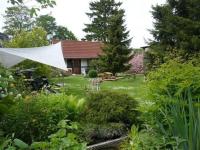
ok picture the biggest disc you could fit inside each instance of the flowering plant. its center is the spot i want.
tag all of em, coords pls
(137, 63)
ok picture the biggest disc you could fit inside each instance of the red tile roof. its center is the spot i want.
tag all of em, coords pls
(80, 49)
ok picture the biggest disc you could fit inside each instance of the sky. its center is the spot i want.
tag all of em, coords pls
(71, 13)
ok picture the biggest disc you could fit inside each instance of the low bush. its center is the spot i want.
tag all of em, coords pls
(108, 115)
(64, 138)
(174, 79)
(110, 107)
(34, 118)
(92, 74)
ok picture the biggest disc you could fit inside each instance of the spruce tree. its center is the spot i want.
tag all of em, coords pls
(176, 30)
(116, 52)
(100, 14)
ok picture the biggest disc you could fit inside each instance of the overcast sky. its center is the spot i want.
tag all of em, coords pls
(71, 13)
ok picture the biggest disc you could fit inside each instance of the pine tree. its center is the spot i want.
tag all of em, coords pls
(176, 29)
(116, 52)
(100, 14)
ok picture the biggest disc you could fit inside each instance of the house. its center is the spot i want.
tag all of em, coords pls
(78, 54)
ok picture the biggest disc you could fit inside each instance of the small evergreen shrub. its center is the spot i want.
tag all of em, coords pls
(92, 74)
(111, 107)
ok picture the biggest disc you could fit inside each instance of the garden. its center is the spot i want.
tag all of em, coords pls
(157, 112)
(150, 102)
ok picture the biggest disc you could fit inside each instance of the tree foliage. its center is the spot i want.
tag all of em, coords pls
(53, 30)
(27, 39)
(176, 29)
(100, 14)
(116, 52)
(174, 79)
(17, 18)
(108, 26)
(43, 3)
(62, 33)
(47, 22)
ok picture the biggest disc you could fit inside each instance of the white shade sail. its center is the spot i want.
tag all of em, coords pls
(50, 55)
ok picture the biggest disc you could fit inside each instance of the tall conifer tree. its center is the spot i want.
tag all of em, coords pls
(100, 14)
(108, 26)
(116, 52)
(176, 29)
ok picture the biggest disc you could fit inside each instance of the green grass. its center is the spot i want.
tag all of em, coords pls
(74, 85)
(135, 87)
(79, 86)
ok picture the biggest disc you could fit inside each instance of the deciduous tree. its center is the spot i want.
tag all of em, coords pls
(27, 39)
(43, 4)
(62, 33)
(47, 22)
(17, 18)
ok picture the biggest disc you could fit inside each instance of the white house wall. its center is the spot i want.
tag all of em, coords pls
(84, 65)
(66, 62)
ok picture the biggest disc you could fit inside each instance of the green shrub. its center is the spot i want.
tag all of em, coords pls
(64, 138)
(174, 79)
(92, 74)
(40, 69)
(8, 90)
(107, 107)
(143, 140)
(34, 118)
(7, 83)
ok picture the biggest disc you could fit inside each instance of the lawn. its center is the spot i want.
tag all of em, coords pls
(80, 86)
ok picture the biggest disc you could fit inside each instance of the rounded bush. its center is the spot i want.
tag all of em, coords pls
(111, 107)
(92, 74)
